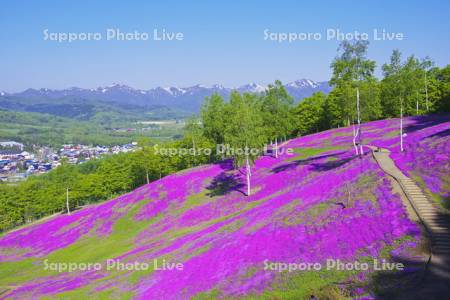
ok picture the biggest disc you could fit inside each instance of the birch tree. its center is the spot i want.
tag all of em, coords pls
(244, 132)
(350, 69)
(276, 111)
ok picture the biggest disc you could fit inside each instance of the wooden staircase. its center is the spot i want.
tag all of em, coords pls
(436, 283)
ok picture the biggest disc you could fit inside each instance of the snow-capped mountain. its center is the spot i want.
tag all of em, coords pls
(186, 98)
(252, 88)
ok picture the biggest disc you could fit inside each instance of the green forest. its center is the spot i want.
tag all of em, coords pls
(410, 84)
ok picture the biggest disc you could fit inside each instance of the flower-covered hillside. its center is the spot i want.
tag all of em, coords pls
(426, 149)
(320, 202)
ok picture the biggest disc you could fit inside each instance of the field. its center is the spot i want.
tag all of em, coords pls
(44, 129)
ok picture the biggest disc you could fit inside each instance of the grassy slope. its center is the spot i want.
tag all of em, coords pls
(200, 217)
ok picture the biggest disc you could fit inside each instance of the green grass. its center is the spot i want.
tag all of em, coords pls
(308, 152)
(88, 249)
(86, 293)
(295, 286)
(303, 284)
(12, 273)
(196, 199)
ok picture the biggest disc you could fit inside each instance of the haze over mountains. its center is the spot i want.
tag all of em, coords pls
(187, 99)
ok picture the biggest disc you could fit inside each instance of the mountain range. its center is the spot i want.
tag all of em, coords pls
(187, 99)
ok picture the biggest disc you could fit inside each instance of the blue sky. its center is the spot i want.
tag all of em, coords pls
(223, 40)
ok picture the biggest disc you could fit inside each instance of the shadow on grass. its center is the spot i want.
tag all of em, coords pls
(225, 183)
(330, 165)
(398, 284)
(439, 134)
(300, 162)
(433, 282)
(446, 202)
(427, 121)
(226, 165)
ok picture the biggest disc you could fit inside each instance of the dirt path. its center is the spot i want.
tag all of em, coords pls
(436, 283)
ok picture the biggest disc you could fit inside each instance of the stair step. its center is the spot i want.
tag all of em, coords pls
(438, 230)
(427, 217)
(427, 213)
(438, 225)
(441, 240)
(432, 220)
(423, 203)
(442, 245)
(437, 220)
(441, 219)
(438, 243)
(426, 209)
(441, 235)
(435, 228)
(441, 249)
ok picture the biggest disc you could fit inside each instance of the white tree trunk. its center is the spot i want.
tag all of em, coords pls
(276, 147)
(359, 122)
(354, 140)
(67, 201)
(417, 102)
(401, 126)
(357, 107)
(248, 174)
(426, 91)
